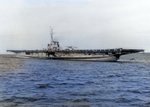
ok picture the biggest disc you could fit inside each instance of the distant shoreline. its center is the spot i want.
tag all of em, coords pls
(8, 55)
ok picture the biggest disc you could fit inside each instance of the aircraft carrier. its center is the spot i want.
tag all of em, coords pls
(54, 51)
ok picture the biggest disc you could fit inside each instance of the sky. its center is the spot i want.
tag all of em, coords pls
(86, 24)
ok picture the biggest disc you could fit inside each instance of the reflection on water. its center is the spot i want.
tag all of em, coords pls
(54, 83)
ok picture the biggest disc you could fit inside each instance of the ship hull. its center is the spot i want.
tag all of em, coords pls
(74, 57)
(99, 59)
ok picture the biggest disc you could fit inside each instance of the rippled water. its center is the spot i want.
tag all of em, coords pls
(57, 83)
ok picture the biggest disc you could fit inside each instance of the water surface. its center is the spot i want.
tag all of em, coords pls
(57, 83)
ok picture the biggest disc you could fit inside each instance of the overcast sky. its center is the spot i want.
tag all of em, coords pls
(86, 24)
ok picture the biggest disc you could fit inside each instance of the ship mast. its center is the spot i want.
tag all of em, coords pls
(51, 33)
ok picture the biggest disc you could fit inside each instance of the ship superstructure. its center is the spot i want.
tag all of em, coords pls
(54, 51)
(54, 45)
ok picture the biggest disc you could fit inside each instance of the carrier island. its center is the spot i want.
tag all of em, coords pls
(55, 52)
